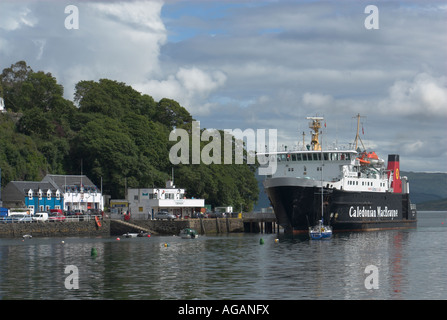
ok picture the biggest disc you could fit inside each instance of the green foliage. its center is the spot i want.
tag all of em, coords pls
(116, 135)
(19, 156)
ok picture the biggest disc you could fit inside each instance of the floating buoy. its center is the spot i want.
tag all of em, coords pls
(93, 252)
(118, 239)
(62, 241)
(261, 241)
(148, 235)
(166, 245)
(276, 240)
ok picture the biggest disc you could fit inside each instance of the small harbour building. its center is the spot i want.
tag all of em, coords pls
(145, 202)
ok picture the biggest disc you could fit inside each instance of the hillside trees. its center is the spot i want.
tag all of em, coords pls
(111, 132)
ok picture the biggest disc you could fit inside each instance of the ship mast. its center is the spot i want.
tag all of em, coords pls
(357, 136)
(315, 125)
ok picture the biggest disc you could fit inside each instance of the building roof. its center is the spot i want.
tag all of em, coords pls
(16, 190)
(68, 180)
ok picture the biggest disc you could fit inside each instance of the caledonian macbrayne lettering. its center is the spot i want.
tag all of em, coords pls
(372, 213)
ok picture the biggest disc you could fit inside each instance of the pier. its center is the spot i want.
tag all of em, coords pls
(253, 222)
(260, 222)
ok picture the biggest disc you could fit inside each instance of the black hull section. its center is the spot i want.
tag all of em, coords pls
(296, 208)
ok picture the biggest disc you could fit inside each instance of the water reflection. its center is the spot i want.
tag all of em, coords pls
(410, 265)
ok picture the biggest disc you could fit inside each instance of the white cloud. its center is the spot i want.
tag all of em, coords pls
(15, 16)
(425, 95)
(317, 100)
(189, 86)
(269, 64)
(116, 40)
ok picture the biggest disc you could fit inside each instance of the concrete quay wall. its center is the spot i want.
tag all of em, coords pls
(55, 229)
(112, 227)
(165, 227)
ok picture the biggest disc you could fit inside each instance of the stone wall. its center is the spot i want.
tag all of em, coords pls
(55, 229)
(164, 227)
(110, 227)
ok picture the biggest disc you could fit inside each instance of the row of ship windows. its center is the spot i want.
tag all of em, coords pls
(364, 183)
(316, 156)
(305, 169)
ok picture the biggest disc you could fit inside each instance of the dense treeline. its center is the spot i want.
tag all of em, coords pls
(112, 132)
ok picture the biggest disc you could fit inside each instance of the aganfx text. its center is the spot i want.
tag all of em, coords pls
(244, 309)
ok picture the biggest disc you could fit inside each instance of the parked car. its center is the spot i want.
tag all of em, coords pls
(162, 215)
(56, 216)
(69, 213)
(40, 216)
(216, 215)
(17, 218)
(78, 212)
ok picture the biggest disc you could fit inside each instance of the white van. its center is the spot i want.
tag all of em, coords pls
(40, 217)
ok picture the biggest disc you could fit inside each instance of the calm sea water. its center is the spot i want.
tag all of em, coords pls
(411, 264)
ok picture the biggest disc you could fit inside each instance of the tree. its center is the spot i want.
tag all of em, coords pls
(12, 79)
(171, 114)
(118, 134)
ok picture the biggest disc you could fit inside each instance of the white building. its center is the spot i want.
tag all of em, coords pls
(144, 202)
(79, 192)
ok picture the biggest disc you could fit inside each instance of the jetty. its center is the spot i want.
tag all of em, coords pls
(253, 222)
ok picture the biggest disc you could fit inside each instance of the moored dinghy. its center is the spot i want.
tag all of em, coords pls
(188, 233)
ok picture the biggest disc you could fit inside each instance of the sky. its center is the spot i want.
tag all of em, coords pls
(258, 64)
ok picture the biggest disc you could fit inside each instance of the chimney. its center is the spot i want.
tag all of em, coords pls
(393, 169)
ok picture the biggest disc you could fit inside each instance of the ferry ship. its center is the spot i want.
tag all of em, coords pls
(350, 189)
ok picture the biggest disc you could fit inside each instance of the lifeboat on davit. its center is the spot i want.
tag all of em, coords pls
(370, 158)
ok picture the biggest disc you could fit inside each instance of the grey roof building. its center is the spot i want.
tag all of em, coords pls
(38, 195)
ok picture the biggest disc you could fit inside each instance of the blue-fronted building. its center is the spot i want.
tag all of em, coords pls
(34, 195)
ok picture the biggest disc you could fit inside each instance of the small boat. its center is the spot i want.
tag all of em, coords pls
(27, 236)
(98, 222)
(143, 234)
(188, 233)
(320, 231)
(130, 235)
